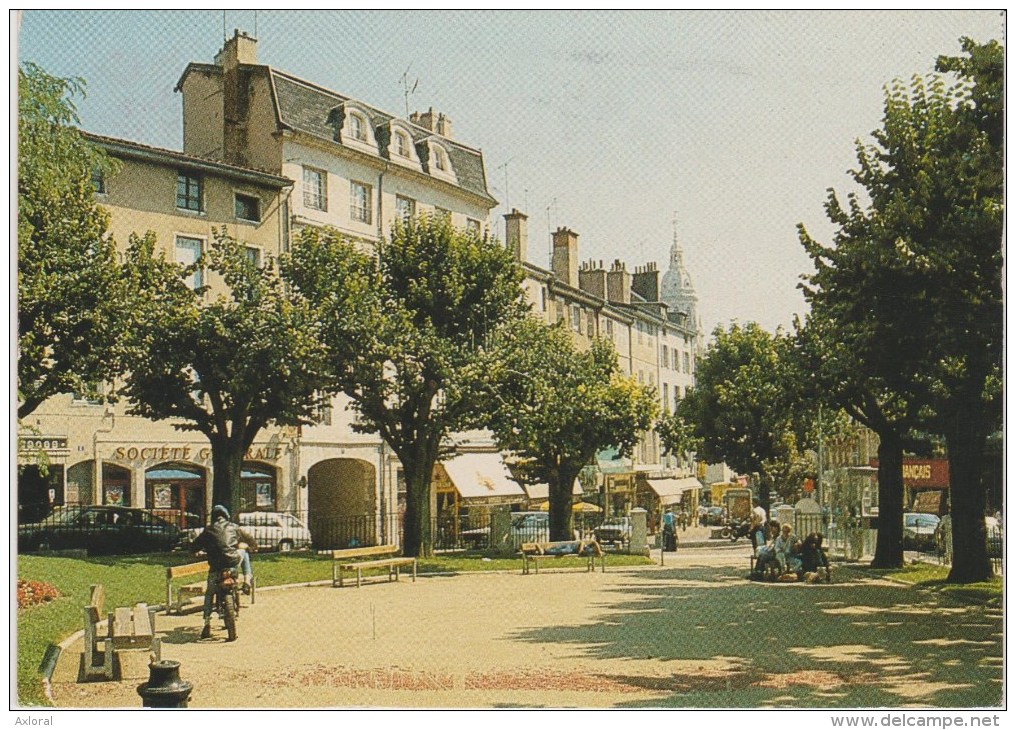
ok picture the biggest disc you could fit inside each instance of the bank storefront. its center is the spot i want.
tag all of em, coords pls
(173, 478)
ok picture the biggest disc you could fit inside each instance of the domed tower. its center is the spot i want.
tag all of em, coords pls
(677, 291)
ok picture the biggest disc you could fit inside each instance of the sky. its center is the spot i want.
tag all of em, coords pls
(726, 127)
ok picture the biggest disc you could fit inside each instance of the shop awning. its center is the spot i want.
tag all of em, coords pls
(483, 476)
(542, 491)
(670, 490)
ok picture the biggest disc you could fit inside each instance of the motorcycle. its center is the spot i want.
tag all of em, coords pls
(733, 531)
(227, 600)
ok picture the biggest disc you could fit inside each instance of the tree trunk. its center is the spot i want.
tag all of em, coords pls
(227, 462)
(965, 438)
(889, 543)
(561, 504)
(417, 538)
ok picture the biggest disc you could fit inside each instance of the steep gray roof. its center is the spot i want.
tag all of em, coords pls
(308, 108)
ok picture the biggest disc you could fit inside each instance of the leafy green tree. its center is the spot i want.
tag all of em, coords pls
(841, 341)
(925, 250)
(746, 407)
(555, 407)
(225, 368)
(70, 294)
(677, 435)
(405, 349)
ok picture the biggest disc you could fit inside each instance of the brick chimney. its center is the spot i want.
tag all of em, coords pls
(516, 234)
(618, 283)
(593, 279)
(565, 261)
(238, 50)
(646, 282)
(434, 122)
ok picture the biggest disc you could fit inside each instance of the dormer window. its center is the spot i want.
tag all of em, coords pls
(357, 127)
(440, 163)
(400, 144)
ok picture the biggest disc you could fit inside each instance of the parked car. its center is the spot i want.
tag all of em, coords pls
(919, 530)
(529, 527)
(270, 530)
(614, 530)
(712, 516)
(275, 530)
(99, 530)
(992, 535)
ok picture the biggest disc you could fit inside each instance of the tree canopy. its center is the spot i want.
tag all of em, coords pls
(406, 348)
(746, 407)
(228, 367)
(72, 304)
(554, 407)
(913, 280)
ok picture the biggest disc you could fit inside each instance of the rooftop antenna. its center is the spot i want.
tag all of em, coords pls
(406, 91)
(550, 229)
(255, 24)
(223, 26)
(507, 198)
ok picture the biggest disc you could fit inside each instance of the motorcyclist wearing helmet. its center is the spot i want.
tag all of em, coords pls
(220, 542)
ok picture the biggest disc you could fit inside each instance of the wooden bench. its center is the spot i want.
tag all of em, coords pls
(186, 593)
(385, 556)
(590, 550)
(127, 640)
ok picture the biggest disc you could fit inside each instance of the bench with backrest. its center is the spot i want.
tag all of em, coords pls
(589, 550)
(183, 598)
(126, 639)
(363, 558)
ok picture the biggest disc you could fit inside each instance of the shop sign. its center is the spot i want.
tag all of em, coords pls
(186, 453)
(923, 473)
(42, 443)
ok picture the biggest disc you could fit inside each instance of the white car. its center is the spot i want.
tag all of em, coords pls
(275, 530)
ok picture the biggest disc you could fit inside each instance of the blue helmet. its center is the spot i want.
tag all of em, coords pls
(218, 511)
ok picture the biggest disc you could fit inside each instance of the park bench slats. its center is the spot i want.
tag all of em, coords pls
(124, 642)
(350, 559)
(535, 552)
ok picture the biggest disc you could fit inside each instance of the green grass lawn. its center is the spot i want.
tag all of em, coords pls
(133, 579)
(933, 577)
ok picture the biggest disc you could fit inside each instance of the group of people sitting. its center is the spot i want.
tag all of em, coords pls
(782, 556)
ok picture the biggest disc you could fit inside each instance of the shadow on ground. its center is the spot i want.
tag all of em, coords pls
(859, 642)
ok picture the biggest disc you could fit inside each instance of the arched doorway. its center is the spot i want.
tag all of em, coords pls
(341, 503)
(258, 488)
(39, 490)
(116, 485)
(80, 487)
(176, 492)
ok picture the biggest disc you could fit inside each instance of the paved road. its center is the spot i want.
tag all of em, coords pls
(692, 633)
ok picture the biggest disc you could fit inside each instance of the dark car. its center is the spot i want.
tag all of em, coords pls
(99, 530)
(712, 516)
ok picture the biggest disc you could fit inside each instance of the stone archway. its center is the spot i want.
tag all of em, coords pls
(341, 503)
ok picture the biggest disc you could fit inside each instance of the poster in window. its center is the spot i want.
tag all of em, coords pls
(114, 495)
(163, 496)
(263, 492)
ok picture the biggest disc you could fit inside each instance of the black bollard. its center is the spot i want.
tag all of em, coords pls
(164, 688)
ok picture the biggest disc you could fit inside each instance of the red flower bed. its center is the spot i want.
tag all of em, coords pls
(33, 592)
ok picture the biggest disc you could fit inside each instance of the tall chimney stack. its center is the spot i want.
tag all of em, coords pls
(565, 261)
(618, 283)
(516, 234)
